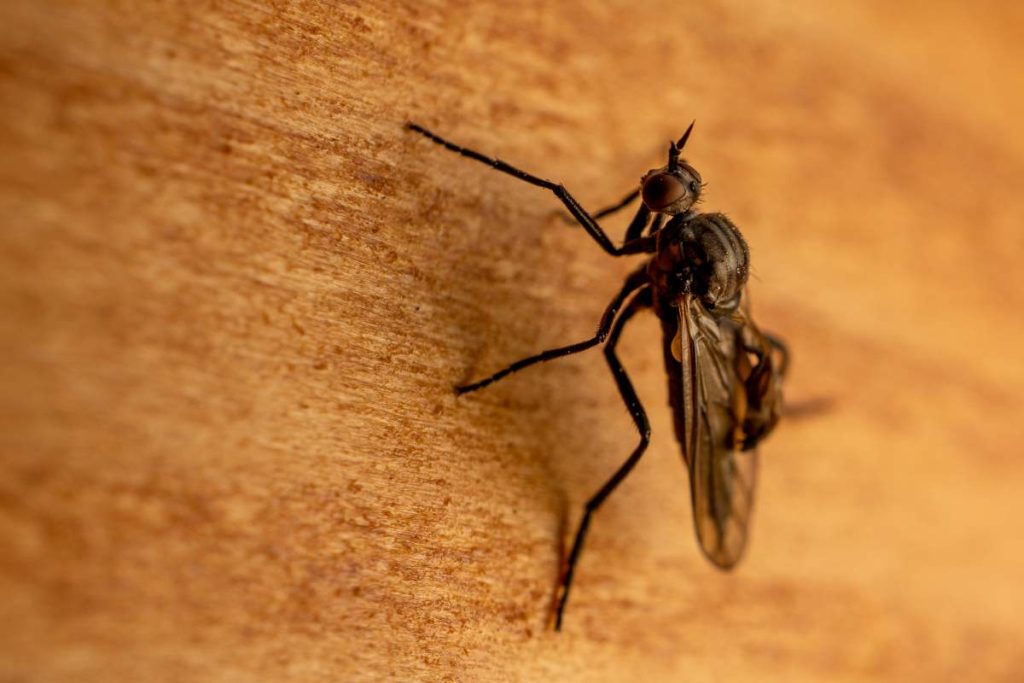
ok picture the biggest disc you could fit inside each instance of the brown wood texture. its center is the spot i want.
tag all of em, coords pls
(236, 295)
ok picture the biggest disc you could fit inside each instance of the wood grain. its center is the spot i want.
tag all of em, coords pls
(236, 294)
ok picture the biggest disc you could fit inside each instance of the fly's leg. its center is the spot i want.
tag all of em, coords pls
(577, 211)
(614, 208)
(618, 206)
(639, 222)
(633, 282)
(781, 348)
(637, 225)
(655, 225)
(632, 402)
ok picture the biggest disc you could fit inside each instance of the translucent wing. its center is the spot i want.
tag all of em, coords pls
(722, 477)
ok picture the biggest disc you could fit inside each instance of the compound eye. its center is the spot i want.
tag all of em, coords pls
(661, 190)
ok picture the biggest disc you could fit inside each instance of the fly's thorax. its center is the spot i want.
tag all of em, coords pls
(703, 255)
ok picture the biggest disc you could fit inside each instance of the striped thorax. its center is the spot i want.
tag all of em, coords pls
(703, 255)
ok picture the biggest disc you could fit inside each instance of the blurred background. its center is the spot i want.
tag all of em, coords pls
(235, 295)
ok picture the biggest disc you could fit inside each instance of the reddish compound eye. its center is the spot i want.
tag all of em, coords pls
(661, 190)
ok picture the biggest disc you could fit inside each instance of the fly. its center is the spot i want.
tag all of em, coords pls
(724, 374)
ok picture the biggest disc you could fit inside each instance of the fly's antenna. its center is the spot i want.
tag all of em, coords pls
(686, 136)
(675, 148)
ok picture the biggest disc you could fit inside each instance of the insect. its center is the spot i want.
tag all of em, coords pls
(724, 374)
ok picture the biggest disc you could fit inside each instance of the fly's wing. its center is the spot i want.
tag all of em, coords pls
(722, 477)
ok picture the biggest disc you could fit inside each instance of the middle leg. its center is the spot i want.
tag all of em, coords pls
(636, 410)
(636, 280)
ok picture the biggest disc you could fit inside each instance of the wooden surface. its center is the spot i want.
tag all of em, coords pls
(236, 295)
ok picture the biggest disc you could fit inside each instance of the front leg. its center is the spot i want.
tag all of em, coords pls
(577, 211)
(636, 226)
(618, 206)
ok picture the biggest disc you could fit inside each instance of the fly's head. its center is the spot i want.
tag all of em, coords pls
(675, 187)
